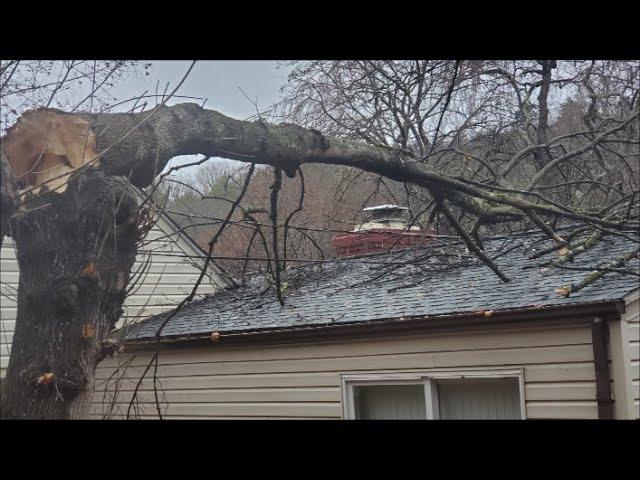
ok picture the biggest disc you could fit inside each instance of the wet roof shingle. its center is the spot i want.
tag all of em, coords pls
(407, 282)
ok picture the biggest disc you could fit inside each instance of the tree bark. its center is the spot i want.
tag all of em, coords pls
(542, 131)
(75, 252)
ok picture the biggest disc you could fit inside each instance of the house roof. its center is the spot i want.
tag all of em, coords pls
(406, 283)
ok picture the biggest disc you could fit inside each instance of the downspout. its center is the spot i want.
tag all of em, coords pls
(600, 343)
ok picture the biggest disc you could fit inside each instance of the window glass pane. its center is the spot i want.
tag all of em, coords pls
(479, 399)
(389, 402)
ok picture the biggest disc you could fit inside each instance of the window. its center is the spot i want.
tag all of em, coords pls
(486, 395)
(401, 402)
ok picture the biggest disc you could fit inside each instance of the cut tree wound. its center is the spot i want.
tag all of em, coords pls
(45, 144)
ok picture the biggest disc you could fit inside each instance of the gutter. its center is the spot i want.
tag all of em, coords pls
(600, 342)
(479, 320)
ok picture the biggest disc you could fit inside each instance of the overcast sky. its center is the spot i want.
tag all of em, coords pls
(219, 81)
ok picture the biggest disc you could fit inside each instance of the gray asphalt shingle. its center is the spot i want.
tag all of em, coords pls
(348, 290)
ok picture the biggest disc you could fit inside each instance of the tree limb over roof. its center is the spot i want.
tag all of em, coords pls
(139, 145)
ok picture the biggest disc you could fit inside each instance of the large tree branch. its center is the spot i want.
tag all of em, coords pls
(140, 145)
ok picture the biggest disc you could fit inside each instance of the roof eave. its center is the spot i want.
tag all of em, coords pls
(526, 316)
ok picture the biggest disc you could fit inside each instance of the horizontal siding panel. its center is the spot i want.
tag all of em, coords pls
(534, 373)
(570, 353)
(157, 233)
(171, 288)
(9, 302)
(286, 380)
(563, 410)
(326, 394)
(160, 245)
(634, 331)
(8, 265)
(560, 391)
(535, 392)
(635, 350)
(535, 410)
(160, 258)
(132, 310)
(8, 289)
(176, 274)
(560, 372)
(154, 416)
(137, 300)
(204, 417)
(174, 266)
(133, 314)
(7, 325)
(632, 309)
(305, 409)
(10, 276)
(8, 322)
(539, 373)
(171, 276)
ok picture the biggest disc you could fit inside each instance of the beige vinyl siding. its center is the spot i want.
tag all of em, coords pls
(8, 299)
(631, 318)
(160, 285)
(623, 349)
(304, 380)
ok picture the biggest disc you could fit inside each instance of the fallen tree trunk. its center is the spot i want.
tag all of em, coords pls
(139, 145)
(75, 251)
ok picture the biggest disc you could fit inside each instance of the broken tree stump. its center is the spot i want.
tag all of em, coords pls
(75, 251)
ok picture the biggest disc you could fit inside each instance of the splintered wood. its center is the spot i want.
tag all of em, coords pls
(46, 145)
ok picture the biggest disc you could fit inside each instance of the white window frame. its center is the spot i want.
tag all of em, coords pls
(428, 379)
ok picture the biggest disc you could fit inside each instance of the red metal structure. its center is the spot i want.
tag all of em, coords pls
(379, 240)
(386, 229)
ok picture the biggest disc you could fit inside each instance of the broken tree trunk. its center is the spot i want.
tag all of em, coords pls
(75, 252)
(139, 145)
